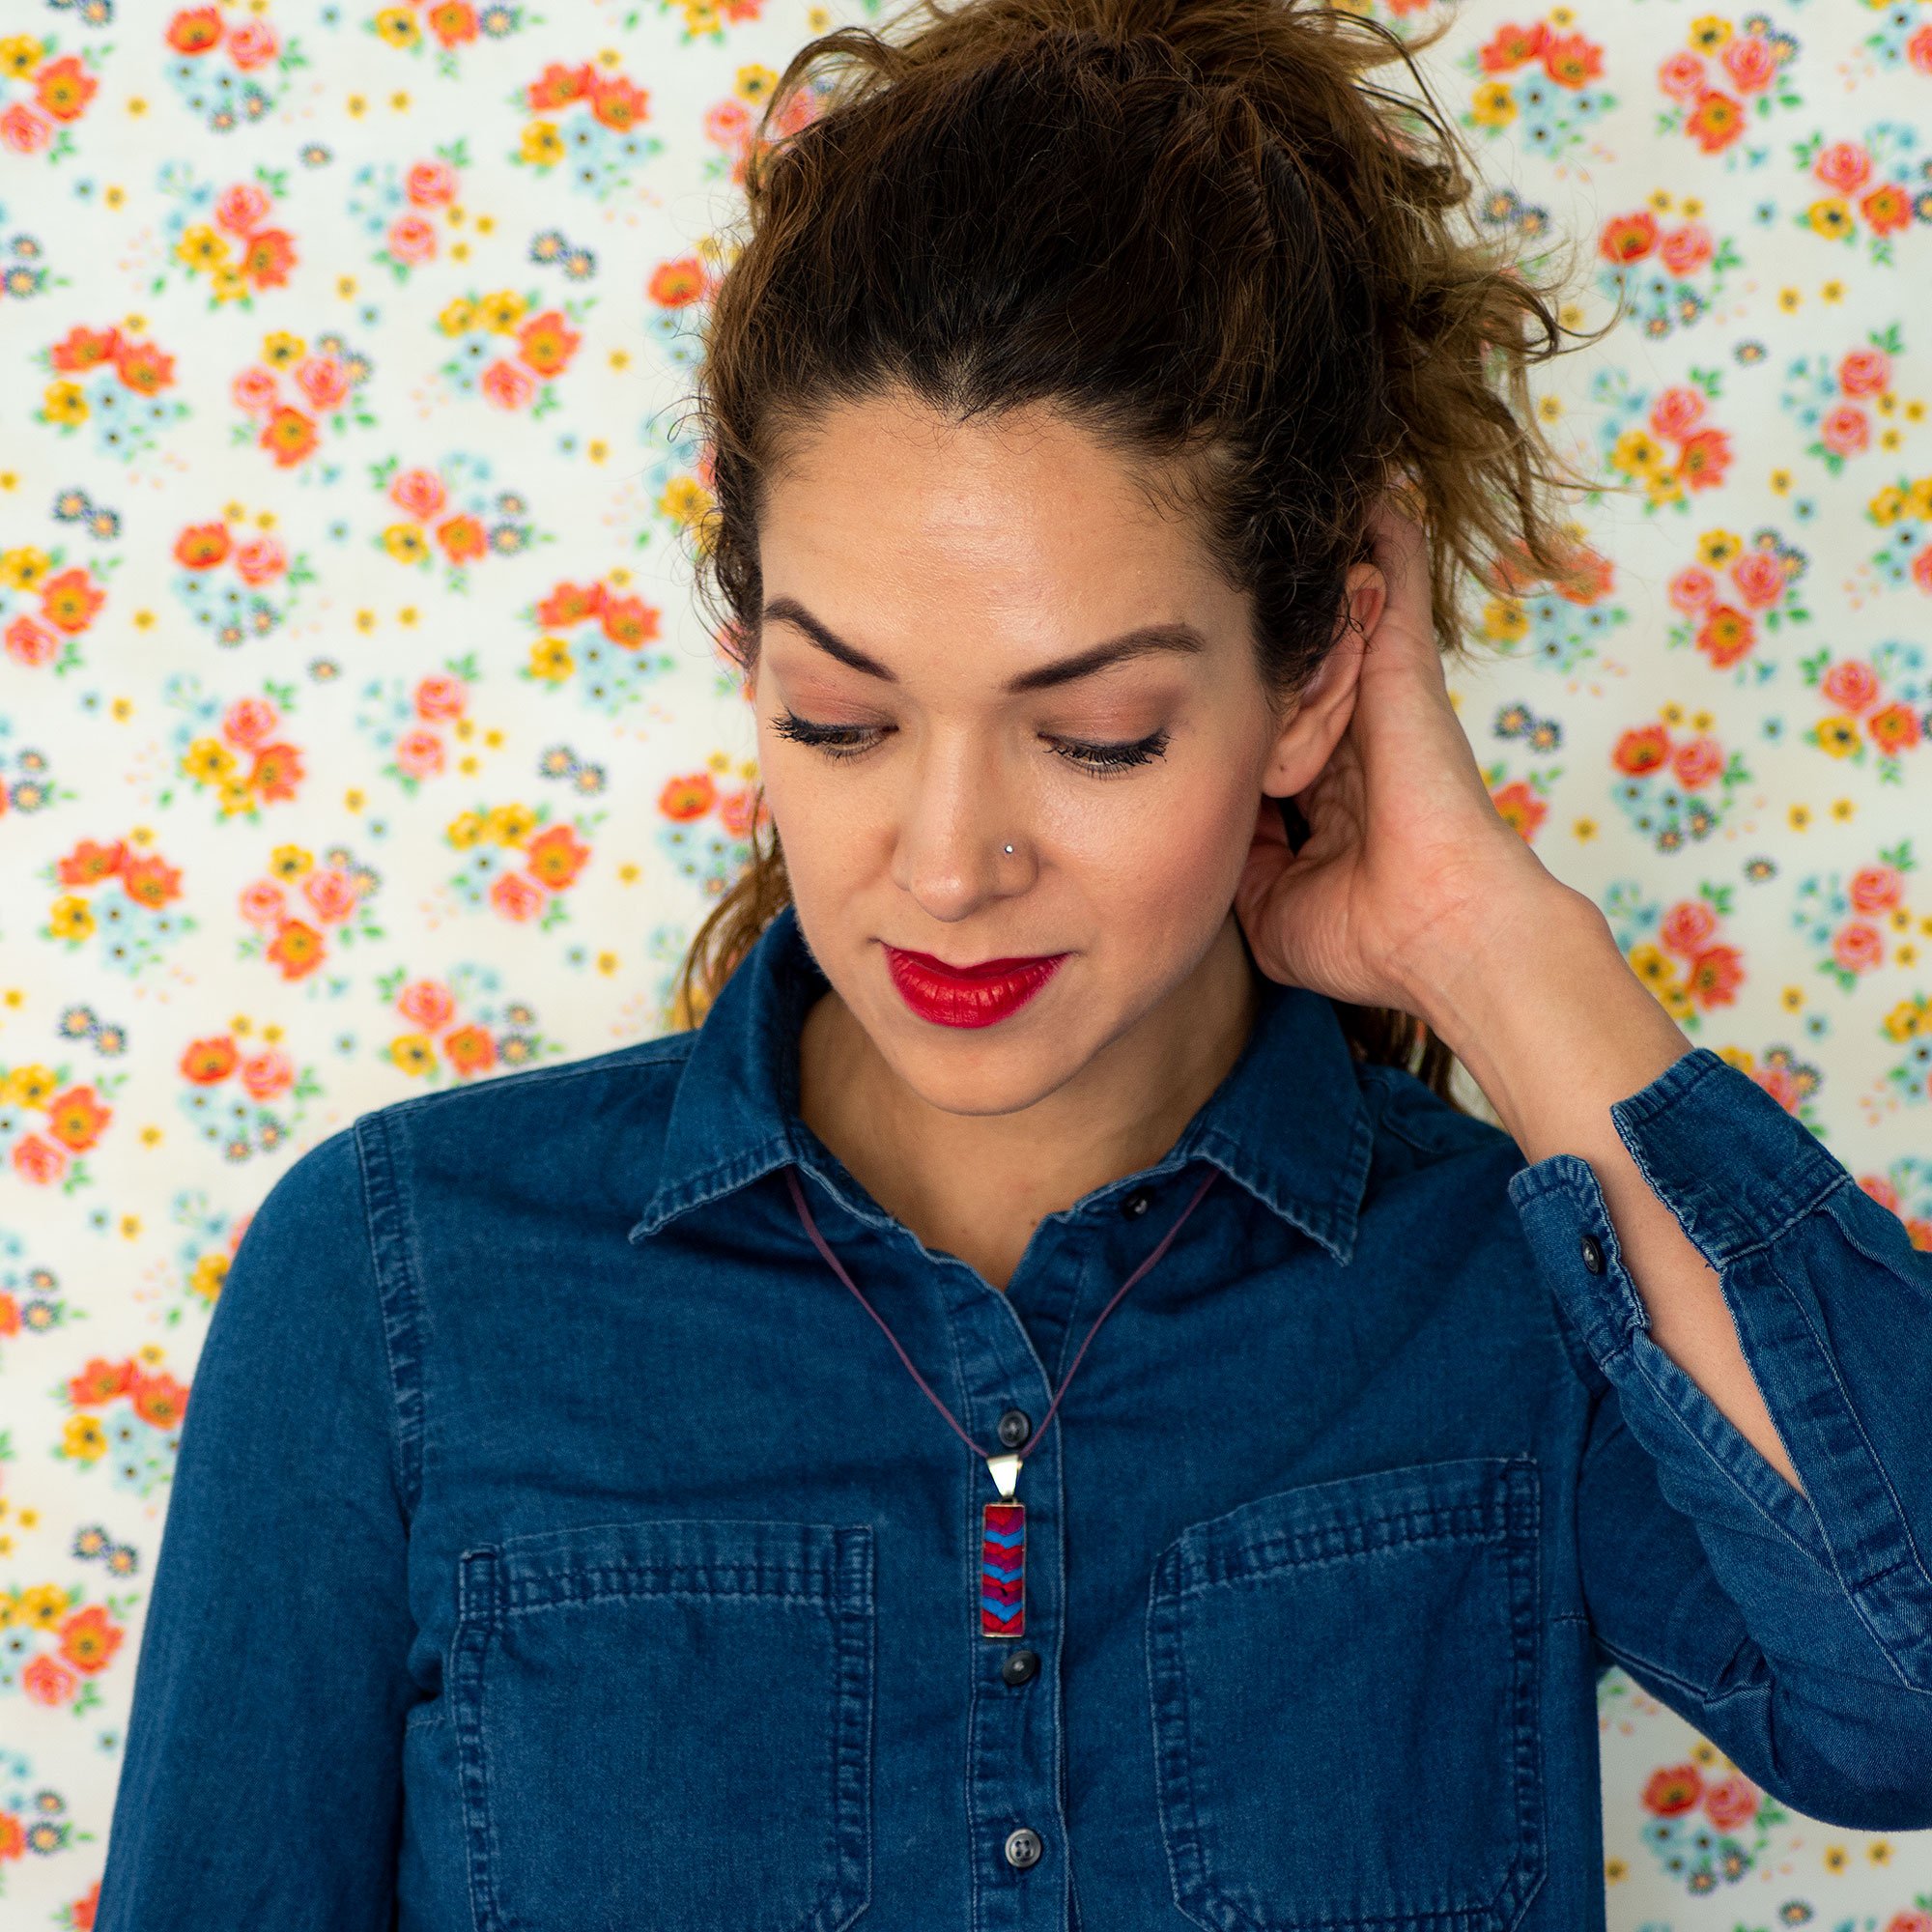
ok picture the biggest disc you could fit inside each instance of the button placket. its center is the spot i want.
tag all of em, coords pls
(1012, 1732)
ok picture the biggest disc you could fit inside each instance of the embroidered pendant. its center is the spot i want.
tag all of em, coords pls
(1003, 1555)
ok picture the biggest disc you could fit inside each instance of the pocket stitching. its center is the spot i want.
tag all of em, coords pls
(1512, 1510)
(844, 1563)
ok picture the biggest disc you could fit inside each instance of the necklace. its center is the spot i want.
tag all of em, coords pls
(1002, 1523)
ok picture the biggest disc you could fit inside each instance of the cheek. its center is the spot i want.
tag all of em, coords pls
(1171, 867)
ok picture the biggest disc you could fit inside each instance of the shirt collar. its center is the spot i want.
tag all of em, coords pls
(1288, 1122)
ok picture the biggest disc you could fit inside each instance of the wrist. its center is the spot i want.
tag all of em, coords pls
(1503, 939)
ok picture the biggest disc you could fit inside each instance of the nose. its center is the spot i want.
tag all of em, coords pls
(957, 818)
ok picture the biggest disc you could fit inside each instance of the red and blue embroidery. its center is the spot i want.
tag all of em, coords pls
(1003, 1570)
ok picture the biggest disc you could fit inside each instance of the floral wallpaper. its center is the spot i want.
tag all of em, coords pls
(358, 734)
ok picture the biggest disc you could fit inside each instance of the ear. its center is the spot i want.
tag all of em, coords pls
(1321, 715)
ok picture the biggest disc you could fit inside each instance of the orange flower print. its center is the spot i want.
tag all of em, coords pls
(288, 435)
(547, 343)
(557, 86)
(296, 950)
(1642, 749)
(688, 797)
(555, 856)
(207, 1063)
(70, 601)
(100, 1382)
(1676, 1788)
(76, 1120)
(195, 30)
(64, 88)
(89, 1639)
(1520, 807)
(470, 1050)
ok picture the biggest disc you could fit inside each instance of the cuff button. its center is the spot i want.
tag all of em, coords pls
(1593, 1254)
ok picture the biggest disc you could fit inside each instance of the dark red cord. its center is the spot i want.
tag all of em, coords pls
(838, 1267)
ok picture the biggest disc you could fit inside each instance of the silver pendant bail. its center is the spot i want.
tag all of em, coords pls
(1006, 1472)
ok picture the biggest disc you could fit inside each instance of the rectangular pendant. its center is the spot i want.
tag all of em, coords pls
(1003, 1570)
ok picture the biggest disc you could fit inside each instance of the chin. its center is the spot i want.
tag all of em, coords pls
(981, 1075)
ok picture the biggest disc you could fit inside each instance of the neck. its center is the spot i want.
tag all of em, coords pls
(976, 1185)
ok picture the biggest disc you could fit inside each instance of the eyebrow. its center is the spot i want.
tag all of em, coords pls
(1148, 637)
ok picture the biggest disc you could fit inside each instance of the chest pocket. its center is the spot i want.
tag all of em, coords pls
(1343, 1685)
(666, 1725)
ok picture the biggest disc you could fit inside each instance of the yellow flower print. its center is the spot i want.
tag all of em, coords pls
(465, 829)
(458, 317)
(19, 55)
(685, 499)
(1829, 218)
(1717, 547)
(31, 1084)
(405, 542)
(22, 569)
(1736, 1056)
(1887, 505)
(412, 1052)
(228, 283)
(755, 83)
(1907, 1019)
(1652, 965)
(543, 144)
(44, 1605)
(1676, 1001)
(1708, 31)
(398, 26)
(234, 796)
(1638, 453)
(64, 403)
(502, 311)
(208, 760)
(283, 351)
(1504, 619)
(550, 660)
(1493, 105)
(289, 862)
(209, 1276)
(202, 247)
(510, 824)
(1838, 735)
(1918, 498)
(1666, 487)
(71, 918)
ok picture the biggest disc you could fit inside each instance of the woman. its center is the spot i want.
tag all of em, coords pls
(638, 1493)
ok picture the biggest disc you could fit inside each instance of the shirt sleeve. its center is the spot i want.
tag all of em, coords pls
(1793, 1629)
(262, 1778)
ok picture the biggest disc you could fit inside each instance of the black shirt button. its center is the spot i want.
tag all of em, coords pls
(1020, 1666)
(1015, 1426)
(1136, 1204)
(1023, 1848)
(1593, 1254)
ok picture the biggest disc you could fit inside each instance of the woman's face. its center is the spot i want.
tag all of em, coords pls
(931, 593)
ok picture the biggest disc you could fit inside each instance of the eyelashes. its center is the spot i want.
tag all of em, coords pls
(850, 741)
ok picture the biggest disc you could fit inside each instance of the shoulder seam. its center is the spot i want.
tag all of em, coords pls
(396, 1303)
(539, 1076)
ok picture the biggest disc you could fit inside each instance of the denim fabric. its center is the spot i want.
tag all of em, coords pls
(555, 1543)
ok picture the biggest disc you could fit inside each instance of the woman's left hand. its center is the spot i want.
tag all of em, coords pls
(1407, 859)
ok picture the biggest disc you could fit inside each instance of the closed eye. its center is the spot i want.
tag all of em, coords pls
(1102, 759)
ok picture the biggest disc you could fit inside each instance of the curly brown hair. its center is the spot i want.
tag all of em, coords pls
(1192, 230)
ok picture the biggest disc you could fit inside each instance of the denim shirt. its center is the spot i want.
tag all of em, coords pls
(556, 1543)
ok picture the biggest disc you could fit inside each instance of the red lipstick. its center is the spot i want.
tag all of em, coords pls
(968, 996)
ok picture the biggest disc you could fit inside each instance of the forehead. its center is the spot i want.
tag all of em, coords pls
(893, 511)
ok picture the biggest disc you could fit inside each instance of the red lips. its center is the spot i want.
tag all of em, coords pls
(968, 996)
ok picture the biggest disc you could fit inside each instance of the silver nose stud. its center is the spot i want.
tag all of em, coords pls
(1009, 851)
